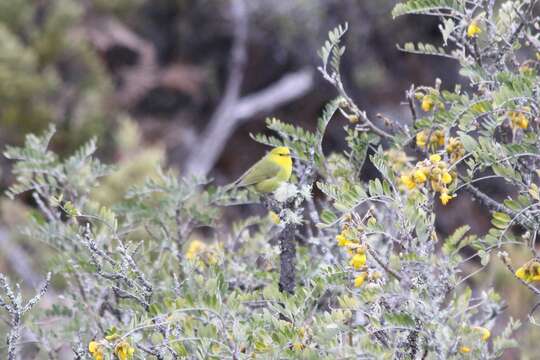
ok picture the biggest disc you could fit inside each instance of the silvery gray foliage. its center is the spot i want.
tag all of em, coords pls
(357, 272)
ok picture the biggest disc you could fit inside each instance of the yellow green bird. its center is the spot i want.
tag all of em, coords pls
(268, 173)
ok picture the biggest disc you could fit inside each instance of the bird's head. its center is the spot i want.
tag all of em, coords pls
(281, 151)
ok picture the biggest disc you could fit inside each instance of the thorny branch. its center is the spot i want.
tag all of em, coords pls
(14, 306)
(335, 80)
(495, 205)
(124, 286)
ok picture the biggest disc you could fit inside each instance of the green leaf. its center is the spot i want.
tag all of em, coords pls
(328, 217)
(452, 243)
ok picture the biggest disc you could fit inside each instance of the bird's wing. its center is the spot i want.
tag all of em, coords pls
(262, 170)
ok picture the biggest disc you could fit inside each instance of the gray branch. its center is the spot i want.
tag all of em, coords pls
(233, 110)
(13, 304)
(214, 138)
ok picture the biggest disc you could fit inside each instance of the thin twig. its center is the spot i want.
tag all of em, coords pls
(375, 256)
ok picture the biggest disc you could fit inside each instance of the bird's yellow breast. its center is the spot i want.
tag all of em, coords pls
(285, 165)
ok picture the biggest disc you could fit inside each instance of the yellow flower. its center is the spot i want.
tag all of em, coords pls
(93, 346)
(529, 271)
(408, 182)
(455, 148)
(297, 346)
(521, 273)
(124, 351)
(518, 119)
(485, 333)
(445, 198)
(535, 271)
(446, 178)
(435, 158)
(420, 176)
(359, 280)
(357, 261)
(436, 186)
(523, 122)
(96, 349)
(464, 349)
(438, 137)
(202, 254)
(421, 139)
(195, 248)
(427, 103)
(342, 240)
(473, 29)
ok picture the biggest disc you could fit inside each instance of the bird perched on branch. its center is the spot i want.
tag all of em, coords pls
(267, 174)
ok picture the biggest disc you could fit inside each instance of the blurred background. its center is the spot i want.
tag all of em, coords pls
(184, 82)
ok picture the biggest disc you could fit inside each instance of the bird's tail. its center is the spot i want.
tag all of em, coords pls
(230, 186)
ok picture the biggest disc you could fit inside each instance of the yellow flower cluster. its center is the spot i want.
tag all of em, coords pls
(302, 338)
(198, 250)
(360, 279)
(358, 259)
(429, 99)
(427, 103)
(433, 170)
(96, 350)
(518, 119)
(433, 139)
(455, 149)
(124, 351)
(530, 271)
(356, 250)
(473, 29)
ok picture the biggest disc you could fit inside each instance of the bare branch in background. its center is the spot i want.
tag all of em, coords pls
(233, 111)
(223, 116)
(214, 139)
(288, 88)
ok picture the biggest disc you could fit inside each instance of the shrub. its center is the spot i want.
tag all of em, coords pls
(358, 272)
